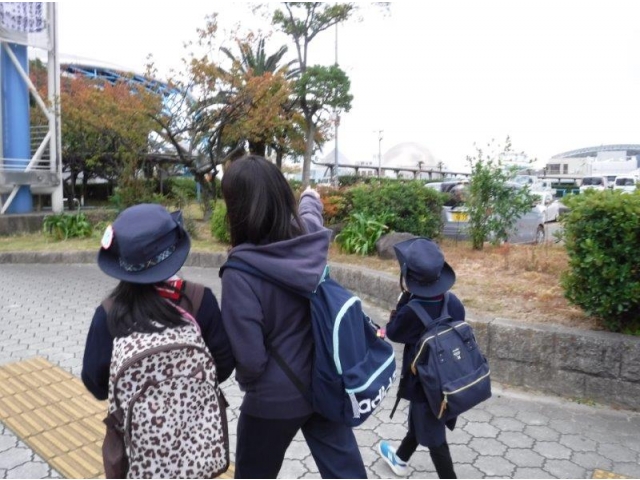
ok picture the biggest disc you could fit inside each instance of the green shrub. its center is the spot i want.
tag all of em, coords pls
(135, 193)
(493, 206)
(62, 226)
(296, 185)
(361, 234)
(218, 222)
(182, 190)
(406, 206)
(602, 237)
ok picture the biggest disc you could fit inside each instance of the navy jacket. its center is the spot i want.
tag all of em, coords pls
(405, 327)
(97, 352)
(256, 312)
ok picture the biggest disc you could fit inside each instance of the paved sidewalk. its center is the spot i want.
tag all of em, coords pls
(45, 311)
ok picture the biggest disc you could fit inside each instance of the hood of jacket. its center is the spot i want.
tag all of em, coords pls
(297, 263)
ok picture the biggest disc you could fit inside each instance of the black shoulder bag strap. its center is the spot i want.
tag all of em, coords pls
(245, 267)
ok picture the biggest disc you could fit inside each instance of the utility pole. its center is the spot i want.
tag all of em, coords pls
(337, 124)
(379, 153)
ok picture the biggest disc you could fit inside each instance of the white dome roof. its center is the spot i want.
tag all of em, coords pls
(409, 154)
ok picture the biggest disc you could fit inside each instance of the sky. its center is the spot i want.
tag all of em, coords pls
(449, 75)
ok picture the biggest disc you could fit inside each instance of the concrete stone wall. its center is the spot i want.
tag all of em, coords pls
(585, 365)
(580, 364)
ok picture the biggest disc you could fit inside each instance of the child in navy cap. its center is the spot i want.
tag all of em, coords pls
(425, 275)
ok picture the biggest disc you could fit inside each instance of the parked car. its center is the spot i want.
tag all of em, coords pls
(610, 180)
(595, 183)
(626, 183)
(548, 205)
(528, 228)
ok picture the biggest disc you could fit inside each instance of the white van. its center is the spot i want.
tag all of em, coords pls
(594, 183)
(626, 183)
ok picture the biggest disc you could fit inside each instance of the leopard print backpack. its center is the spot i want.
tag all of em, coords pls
(166, 406)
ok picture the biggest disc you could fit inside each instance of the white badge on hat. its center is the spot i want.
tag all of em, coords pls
(107, 237)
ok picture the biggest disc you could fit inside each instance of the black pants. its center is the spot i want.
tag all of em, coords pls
(440, 456)
(262, 444)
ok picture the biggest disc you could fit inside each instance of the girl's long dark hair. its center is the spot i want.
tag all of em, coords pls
(261, 207)
(140, 308)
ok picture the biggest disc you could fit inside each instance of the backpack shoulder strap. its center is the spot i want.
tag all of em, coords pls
(107, 303)
(192, 292)
(245, 267)
(425, 318)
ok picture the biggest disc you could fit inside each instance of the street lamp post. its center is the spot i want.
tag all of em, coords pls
(380, 153)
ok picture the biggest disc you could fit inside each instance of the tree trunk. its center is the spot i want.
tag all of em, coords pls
(207, 194)
(83, 194)
(72, 190)
(308, 152)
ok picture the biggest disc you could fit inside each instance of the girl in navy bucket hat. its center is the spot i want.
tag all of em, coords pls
(424, 274)
(149, 337)
(144, 248)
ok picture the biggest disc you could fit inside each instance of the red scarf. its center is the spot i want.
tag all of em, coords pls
(171, 288)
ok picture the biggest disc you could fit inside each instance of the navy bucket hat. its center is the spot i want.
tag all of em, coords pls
(145, 244)
(423, 268)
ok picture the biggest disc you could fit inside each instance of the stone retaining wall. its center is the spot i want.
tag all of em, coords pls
(581, 364)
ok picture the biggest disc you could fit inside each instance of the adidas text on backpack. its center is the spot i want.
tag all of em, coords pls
(353, 367)
(165, 400)
(453, 372)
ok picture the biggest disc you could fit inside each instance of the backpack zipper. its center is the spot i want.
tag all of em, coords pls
(146, 353)
(415, 359)
(445, 401)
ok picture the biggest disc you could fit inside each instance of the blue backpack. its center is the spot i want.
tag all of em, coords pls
(353, 367)
(453, 372)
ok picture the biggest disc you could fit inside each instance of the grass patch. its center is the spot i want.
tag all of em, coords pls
(515, 282)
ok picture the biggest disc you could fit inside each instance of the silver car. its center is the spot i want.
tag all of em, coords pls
(529, 228)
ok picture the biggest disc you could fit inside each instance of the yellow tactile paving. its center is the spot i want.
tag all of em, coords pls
(597, 473)
(51, 411)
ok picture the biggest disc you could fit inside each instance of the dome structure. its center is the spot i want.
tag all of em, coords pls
(409, 154)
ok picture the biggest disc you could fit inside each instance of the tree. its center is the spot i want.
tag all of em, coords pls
(215, 113)
(105, 128)
(265, 83)
(320, 88)
(256, 63)
(493, 204)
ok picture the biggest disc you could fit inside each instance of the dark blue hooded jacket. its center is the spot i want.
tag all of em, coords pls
(254, 310)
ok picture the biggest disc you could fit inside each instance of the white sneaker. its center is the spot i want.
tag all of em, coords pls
(388, 453)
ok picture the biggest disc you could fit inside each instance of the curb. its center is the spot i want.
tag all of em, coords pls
(583, 365)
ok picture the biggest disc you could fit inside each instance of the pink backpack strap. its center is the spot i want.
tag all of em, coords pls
(187, 316)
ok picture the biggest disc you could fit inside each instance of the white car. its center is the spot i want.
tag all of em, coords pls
(594, 183)
(548, 205)
(627, 184)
